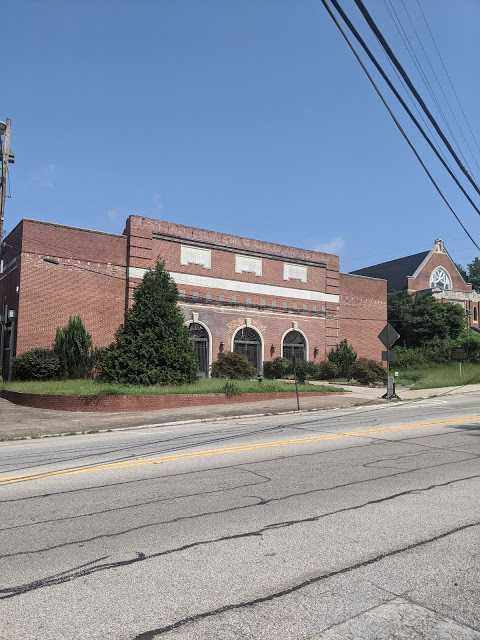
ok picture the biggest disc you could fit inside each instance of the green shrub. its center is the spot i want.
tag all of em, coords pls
(37, 364)
(277, 368)
(471, 340)
(326, 371)
(73, 346)
(343, 355)
(234, 366)
(437, 351)
(230, 388)
(303, 370)
(367, 371)
(421, 319)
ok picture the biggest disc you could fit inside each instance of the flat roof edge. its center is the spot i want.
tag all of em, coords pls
(67, 226)
(357, 275)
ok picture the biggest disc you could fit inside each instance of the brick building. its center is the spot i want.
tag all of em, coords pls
(429, 272)
(236, 294)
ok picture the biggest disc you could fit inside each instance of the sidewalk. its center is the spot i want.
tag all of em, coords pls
(23, 422)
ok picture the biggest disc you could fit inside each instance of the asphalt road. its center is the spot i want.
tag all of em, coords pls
(349, 524)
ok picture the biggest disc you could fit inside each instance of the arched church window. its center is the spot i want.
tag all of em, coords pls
(294, 345)
(440, 279)
(247, 342)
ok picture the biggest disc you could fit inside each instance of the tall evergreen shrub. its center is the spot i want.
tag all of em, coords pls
(153, 345)
(343, 355)
(73, 346)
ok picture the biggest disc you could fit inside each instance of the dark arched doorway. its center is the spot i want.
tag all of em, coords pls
(294, 345)
(247, 341)
(199, 337)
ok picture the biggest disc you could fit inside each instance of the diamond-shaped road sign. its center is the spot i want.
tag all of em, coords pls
(388, 336)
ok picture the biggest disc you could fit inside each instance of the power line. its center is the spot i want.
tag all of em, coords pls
(411, 50)
(394, 118)
(421, 116)
(371, 23)
(440, 86)
(399, 98)
(448, 76)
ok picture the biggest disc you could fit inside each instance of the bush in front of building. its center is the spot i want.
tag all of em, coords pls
(471, 341)
(283, 368)
(326, 371)
(153, 345)
(277, 368)
(367, 371)
(343, 355)
(303, 370)
(421, 319)
(73, 346)
(234, 366)
(438, 351)
(37, 364)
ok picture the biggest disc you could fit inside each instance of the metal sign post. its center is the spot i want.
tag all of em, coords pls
(459, 354)
(388, 336)
(294, 360)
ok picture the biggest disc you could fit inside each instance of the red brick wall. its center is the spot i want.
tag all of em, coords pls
(145, 250)
(89, 281)
(422, 281)
(119, 404)
(363, 313)
(224, 322)
(150, 240)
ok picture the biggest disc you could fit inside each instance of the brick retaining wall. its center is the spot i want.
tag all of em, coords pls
(118, 404)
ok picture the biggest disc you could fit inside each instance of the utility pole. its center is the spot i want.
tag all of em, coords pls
(6, 158)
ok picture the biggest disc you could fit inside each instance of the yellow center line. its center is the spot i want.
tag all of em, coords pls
(211, 452)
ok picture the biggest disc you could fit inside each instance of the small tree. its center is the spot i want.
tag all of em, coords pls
(343, 355)
(73, 346)
(153, 345)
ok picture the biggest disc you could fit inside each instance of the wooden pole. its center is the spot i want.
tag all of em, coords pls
(3, 185)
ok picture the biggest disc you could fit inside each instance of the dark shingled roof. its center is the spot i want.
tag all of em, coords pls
(395, 272)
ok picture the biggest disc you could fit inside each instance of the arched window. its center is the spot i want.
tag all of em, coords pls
(440, 279)
(199, 337)
(294, 345)
(247, 341)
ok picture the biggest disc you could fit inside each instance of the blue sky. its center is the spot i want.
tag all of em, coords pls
(249, 117)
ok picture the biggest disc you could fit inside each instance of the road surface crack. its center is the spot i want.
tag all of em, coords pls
(149, 635)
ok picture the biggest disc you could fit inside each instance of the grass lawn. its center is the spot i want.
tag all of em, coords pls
(442, 375)
(203, 385)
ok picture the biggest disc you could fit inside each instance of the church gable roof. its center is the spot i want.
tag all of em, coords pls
(395, 272)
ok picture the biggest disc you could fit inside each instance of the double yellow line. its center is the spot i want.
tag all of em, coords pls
(213, 452)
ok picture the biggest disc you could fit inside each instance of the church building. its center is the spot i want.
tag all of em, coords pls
(429, 272)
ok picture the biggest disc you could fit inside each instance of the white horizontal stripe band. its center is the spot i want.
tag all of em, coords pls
(186, 279)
